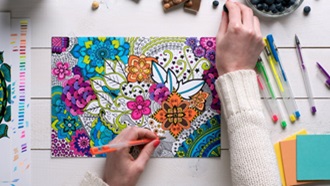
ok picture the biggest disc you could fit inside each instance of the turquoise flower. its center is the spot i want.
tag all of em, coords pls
(58, 106)
(66, 125)
(100, 134)
(91, 52)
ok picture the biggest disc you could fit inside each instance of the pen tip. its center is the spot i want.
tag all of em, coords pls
(161, 137)
(296, 38)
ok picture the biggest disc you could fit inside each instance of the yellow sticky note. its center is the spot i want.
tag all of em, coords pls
(278, 153)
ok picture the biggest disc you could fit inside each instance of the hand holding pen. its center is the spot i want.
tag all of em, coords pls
(120, 167)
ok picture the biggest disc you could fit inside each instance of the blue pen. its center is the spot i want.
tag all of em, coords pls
(288, 89)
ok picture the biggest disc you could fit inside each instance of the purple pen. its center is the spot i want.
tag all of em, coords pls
(327, 82)
(305, 77)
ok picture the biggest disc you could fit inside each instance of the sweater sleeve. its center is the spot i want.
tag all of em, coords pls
(91, 179)
(252, 155)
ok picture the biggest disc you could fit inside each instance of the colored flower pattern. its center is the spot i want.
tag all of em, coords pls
(199, 51)
(210, 76)
(59, 44)
(58, 106)
(198, 100)
(208, 43)
(100, 134)
(66, 125)
(92, 51)
(158, 93)
(60, 147)
(61, 71)
(192, 42)
(80, 143)
(77, 93)
(175, 114)
(139, 107)
(210, 55)
(92, 99)
(139, 68)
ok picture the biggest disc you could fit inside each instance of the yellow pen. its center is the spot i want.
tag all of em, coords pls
(289, 108)
(272, 64)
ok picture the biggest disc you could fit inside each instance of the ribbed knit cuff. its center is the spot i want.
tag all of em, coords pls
(91, 179)
(238, 92)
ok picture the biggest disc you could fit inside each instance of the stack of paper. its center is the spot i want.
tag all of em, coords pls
(303, 159)
(313, 157)
(15, 145)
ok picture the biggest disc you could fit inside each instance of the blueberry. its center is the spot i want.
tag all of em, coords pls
(274, 11)
(265, 7)
(292, 2)
(255, 2)
(215, 3)
(279, 1)
(272, 7)
(260, 6)
(279, 7)
(307, 9)
(269, 2)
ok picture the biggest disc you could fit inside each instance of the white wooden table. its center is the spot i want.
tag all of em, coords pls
(146, 18)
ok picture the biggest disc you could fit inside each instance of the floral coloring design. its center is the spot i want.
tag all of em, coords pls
(91, 53)
(80, 143)
(159, 93)
(101, 85)
(175, 114)
(77, 93)
(59, 44)
(208, 43)
(139, 68)
(61, 71)
(139, 107)
(199, 99)
(5, 94)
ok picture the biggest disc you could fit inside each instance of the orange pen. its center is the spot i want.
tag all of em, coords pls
(113, 147)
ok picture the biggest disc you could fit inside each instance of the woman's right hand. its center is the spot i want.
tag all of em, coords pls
(239, 39)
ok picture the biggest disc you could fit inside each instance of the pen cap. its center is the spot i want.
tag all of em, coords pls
(327, 83)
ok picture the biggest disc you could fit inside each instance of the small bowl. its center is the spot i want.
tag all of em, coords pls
(285, 12)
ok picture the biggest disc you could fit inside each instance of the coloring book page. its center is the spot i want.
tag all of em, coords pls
(101, 85)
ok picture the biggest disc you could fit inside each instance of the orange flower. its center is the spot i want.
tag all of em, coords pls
(139, 68)
(175, 114)
(199, 99)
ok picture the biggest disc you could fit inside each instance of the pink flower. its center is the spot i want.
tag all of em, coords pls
(208, 43)
(139, 107)
(61, 70)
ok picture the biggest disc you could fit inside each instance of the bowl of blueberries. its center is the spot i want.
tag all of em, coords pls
(274, 8)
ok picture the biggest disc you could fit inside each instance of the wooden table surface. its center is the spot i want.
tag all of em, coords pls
(146, 18)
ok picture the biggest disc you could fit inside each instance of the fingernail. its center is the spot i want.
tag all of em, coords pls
(156, 143)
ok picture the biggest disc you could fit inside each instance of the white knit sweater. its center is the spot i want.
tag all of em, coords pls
(252, 157)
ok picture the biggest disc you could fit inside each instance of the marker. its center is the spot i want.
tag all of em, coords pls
(114, 147)
(271, 104)
(288, 90)
(327, 82)
(305, 77)
(275, 69)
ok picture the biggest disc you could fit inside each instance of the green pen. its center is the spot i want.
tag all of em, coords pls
(268, 94)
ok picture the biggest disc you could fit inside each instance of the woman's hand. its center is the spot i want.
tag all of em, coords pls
(239, 39)
(121, 168)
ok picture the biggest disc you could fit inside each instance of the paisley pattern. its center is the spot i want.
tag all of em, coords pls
(101, 85)
(5, 88)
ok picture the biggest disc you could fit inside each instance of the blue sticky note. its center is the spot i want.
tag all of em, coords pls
(313, 157)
